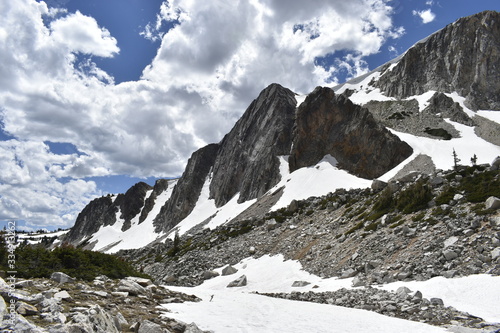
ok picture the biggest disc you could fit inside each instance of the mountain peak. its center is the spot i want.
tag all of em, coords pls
(461, 58)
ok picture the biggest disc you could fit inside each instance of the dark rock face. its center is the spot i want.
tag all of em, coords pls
(187, 191)
(99, 212)
(463, 57)
(405, 116)
(248, 158)
(331, 124)
(131, 202)
(160, 186)
(102, 211)
(447, 108)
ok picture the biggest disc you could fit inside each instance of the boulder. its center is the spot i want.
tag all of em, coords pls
(64, 295)
(492, 203)
(229, 270)
(95, 319)
(378, 185)
(26, 309)
(358, 282)
(149, 327)
(449, 254)
(60, 277)
(300, 283)
(141, 281)
(132, 287)
(495, 165)
(120, 321)
(209, 274)
(240, 282)
(495, 254)
(192, 328)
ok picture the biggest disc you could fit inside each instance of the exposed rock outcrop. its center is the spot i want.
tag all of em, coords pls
(99, 212)
(463, 57)
(331, 124)
(188, 188)
(248, 158)
(160, 186)
(131, 203)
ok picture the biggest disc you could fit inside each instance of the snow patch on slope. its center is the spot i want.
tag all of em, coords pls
(491, 115)
(138, 235)
(441, 150)
(242, 310)
(205, 209)
(317, 180)
(476, 294)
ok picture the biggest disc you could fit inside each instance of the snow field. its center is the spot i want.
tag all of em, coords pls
(241, 310)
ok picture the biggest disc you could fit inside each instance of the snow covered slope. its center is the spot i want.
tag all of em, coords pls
(242, 309)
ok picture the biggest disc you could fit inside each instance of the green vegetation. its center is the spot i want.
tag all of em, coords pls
(414, 198)
(37, 262)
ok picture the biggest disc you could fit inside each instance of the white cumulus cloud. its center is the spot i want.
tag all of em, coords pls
(426, 15)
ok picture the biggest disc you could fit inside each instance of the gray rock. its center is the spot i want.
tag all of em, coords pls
(495, 253)
(147, 326)
(378, 185)
(449, 254)
(271, 225)
(209, 274)
(95, 319)
(133, 288)
(62, 278)
(403, 292)
(240, 282)
(24, 284)
(300, 283)
(192, 328)
(26, 309)
(64, 295)
(358, 282)
(229, 270)
(141, 281)
(120, 321)
(436, 301)
(436, 181)
(119, 293)
(348, 273)
(495, 165)
(492, 203)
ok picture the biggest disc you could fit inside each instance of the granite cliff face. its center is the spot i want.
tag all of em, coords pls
(188, 189)
(464, 57)
(248, 159)
(331, 124)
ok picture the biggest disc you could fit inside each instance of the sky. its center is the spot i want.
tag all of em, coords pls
(96, 95)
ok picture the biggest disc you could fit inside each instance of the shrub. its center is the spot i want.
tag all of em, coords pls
(36, 261)
(414, 198)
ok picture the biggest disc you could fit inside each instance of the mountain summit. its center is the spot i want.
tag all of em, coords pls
(407, 115)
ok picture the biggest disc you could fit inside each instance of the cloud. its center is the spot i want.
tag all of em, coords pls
(426, 16)
(81, 33)
(29, 189)
(213, 60)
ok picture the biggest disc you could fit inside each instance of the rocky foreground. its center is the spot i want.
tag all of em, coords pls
(63, 305)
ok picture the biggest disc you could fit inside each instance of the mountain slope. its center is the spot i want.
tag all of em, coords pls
(288, 147)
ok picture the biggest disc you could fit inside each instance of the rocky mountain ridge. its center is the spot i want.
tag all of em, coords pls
(425, 92)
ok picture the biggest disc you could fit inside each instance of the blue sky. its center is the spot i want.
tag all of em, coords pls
(97, 95)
